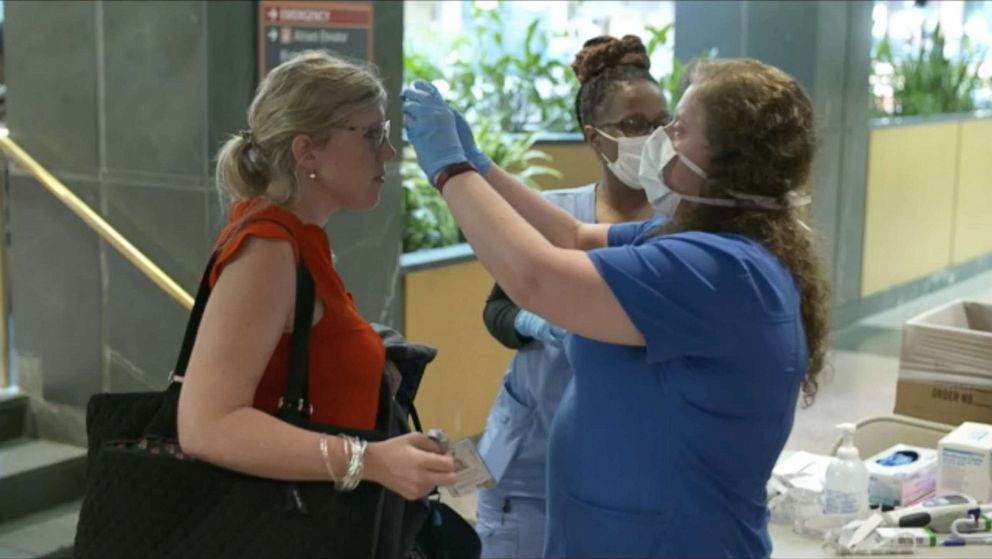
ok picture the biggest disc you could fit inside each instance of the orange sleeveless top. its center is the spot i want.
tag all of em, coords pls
(346, 355)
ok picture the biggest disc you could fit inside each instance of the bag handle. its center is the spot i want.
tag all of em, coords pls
(193, 323)
(294, 401)
(294, 397)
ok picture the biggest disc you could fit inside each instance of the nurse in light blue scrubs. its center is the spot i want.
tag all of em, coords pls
(691, 340)
(618, 105)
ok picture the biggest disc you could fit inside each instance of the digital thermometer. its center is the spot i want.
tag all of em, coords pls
(937, 513)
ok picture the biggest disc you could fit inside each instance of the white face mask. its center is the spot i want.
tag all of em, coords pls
(659, 151)
(628, 163)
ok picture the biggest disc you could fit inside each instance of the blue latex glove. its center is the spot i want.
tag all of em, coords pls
(476, 156)
(430, 127)
(532, 326)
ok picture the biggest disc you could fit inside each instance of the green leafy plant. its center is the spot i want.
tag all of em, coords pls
(514, 81)
(508, 97)
(500, 96)
(927, 82)
(672, 83)
(429, 224)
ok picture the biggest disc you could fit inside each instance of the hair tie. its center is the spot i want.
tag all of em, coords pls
(246, 135)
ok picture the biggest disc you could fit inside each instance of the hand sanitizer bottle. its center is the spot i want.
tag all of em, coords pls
(845, 490)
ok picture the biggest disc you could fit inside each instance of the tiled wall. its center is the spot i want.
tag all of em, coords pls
(825, 46)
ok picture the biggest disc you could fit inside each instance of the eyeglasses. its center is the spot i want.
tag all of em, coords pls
(637, 125)
(375, 135)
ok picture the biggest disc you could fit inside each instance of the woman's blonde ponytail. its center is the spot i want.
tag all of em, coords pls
(310, 94)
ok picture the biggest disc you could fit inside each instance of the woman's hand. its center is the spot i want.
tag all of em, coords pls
(431, 129)
(411, 465)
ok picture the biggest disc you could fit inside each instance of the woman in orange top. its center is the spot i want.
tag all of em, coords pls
(317, 143)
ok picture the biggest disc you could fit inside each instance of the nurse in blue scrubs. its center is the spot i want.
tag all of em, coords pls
(618, 105)
(692, 339)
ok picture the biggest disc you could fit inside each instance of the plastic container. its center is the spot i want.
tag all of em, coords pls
(845, 490)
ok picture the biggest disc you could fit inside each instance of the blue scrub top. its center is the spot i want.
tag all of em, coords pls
(514, 443)
(664, 450)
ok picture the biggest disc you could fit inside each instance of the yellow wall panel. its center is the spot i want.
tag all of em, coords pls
(973, 226)
(443, 308)
(909, 204)
(577, 162)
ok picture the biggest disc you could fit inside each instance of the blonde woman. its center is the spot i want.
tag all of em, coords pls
(317, 143)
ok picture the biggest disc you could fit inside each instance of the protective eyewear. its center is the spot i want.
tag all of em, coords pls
(375, 135)
(638, 125)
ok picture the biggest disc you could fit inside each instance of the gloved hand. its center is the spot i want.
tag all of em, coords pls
(476, 156)
(530, 325)
(430, 127)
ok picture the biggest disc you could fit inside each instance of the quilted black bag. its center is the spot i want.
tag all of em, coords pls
(145, 498)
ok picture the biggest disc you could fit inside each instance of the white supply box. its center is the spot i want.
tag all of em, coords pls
(965, 463)
(891, 482)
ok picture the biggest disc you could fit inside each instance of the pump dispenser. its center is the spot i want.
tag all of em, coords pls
(845, 490)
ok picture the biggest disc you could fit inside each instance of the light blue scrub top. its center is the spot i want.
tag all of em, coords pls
(514, 444)
(664, 450)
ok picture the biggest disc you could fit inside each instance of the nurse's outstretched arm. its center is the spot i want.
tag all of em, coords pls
(561, 285)
(557, 225)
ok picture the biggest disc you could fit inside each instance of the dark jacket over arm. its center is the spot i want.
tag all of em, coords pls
(499, 315)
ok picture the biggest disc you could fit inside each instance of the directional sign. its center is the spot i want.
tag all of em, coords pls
(288, 28)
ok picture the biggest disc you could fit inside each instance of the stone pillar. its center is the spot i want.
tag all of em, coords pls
(825, 45)
(127, 103)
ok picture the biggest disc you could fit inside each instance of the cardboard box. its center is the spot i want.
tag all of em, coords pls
(965, 463)
(902, 484)
(945, 366)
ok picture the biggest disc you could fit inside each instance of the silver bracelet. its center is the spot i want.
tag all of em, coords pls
(347, 451)
(360, 469)
(326, 457)
(349, 448)
(356, 464)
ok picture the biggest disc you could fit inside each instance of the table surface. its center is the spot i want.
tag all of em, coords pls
(786, 544)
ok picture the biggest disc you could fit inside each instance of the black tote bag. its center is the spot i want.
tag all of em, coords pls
(145, 498)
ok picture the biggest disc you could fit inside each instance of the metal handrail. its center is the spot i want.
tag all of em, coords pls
(94, 220)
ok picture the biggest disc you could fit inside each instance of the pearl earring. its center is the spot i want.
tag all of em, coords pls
(313, 175)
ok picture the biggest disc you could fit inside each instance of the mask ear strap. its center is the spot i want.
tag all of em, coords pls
(796, 200)
(692, 166)
(605, 135)
(722, 202)
(793, 200)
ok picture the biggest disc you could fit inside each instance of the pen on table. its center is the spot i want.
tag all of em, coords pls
(969, 541)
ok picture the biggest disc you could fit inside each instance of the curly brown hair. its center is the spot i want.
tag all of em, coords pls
(759, 125)
(603, 64)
